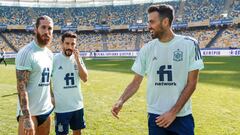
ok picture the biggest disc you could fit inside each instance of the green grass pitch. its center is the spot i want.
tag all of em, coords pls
(216, 101)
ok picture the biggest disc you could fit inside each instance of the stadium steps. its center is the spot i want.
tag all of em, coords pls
(227, 5)
(181, 8)
(32, 14)
(141, 13)
(67, 14)
(8, 43)
(104, 15)
(214, 39)
(104, 38)
(138, 41)
(230, 8)
(226, 8)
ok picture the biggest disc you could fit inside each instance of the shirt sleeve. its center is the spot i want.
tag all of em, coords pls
(195, 60)
(139, 65)
(53, 65)
(23, 60)
(81, 62)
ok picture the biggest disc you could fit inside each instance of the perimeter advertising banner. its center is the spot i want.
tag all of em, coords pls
(102, 27)
(205, 52)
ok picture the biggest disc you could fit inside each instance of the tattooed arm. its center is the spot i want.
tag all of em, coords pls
(22, 80)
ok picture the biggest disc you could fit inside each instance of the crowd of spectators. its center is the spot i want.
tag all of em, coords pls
(235, 10)
(198, 10)
(230, 38)
(4, 45)
(193, 10)
(92, 41)
(204, 36)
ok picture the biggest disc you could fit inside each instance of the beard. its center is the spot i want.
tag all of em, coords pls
(43, 39)
(157, 33)
(68, 52)
(153, 35)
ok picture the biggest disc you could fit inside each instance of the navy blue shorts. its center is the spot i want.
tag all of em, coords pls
(180, 126)
(75, 119)
(41, 118)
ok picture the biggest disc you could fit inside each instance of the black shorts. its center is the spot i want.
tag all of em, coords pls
(180, 126)
(41, 118)
(74, 119)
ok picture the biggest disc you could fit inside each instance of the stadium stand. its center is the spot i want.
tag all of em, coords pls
(194, 10)
(229, 39)
(120, 15)
(197, 10)
(235, 10)
(126, 40)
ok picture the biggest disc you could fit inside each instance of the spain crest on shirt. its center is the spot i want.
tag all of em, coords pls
(178, 55)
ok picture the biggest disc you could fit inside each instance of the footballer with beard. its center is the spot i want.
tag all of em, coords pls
(68, 70)
(171, 63)
(33, 70)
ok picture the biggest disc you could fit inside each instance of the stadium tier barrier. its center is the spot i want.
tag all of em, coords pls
(132, 27)
(204, 52)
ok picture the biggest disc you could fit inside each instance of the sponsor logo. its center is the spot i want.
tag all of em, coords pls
(165, 76)
(70, 83)
(45, 77)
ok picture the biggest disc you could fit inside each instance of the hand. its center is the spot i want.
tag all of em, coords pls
(116, 109)
(166, 119)
(28, 126)
(76, 54)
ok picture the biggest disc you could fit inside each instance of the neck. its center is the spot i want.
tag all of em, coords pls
(166, 36)
(40, 45)
(65, 55)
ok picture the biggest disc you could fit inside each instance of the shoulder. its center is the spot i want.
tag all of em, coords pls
(24, 56)
(49, 52)
(152, 42)
(56, 56)
(25, 51)
(190, 40)
(149, 45)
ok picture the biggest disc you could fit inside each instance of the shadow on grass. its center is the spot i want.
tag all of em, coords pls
(10, 61)
(122, 66)
(9, 95)
(221, 71)
(218, 70)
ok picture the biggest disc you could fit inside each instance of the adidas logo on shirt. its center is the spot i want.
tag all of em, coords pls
(60, 67)
(154, 58)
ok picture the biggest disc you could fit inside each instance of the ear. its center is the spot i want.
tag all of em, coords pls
(166, 22)
(35, 29)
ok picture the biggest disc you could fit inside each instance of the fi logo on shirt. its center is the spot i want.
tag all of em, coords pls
(69, 81)
(165, 76)
(69, 77)
(45, 77)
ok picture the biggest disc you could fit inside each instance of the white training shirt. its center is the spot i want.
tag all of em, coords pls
(66, 84)
(39, 62)
(166, 66)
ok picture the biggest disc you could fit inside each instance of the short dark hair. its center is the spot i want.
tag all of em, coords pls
(164, 11)
(68, 34)
(45, 17)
